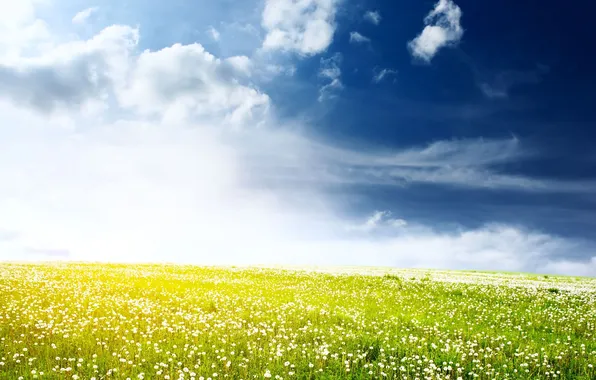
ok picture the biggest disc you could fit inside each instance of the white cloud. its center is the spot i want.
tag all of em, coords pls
(467, 163)
(330, 66)
(242, 64)
(382, 74)
(213, 33)
(185, 162)
(492, 247)
(442, 29)
(72, 74)
(330, 70)
(18, 13)
(20, 29)
(381, 219)
(186, 80)
(358, 38)
(329, 91)
(303, 26)
(83, 16)
(568, 267)
(373, 17)
(278, 69)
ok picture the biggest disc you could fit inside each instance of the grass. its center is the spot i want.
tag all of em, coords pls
(92, 321)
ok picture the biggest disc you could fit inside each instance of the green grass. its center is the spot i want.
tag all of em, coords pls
(85, 321)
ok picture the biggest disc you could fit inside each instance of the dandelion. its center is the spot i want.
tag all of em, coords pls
(184, 322)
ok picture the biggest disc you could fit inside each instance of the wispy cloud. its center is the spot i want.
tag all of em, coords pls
(499, 85)
(442, 29)
(83, 16)
(468, 163)
(330, 70)
(213, 33)
(358, 38)
(380, 220)
(380, 75)
(373, 17)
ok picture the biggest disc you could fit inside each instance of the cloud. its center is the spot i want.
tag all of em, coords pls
(72, 74)
(440, 154)
(305, 26)
(241, 64)
(7, 235)
(568, 267)
(213, 33)
(83, 16)
(492, 247)
(467, 163)
(499, 85)
(330, 70)
(382, 74)
(330, 90)
(442, 29)
(357, 38)
(379, 220)
(373, 17)
(330, 66)
(279, 69)
(187, 80)
(21, 30)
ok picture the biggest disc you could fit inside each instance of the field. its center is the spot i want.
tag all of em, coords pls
(92, 321)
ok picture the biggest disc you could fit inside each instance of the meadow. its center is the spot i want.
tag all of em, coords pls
(99, 321)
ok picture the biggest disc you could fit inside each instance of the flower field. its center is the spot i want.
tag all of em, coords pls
(96, 321)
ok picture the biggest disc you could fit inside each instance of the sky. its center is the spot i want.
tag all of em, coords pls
(413, 134)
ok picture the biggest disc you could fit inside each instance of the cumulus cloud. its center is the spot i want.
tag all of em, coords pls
(185, 161)
(357, 38)
(241, 63)
(305, 26)
(442, 29)
(83, 16)
(187, 80)
(373, 17)
(21, 30)
(72, 74)
(380, 75)
(329, 70)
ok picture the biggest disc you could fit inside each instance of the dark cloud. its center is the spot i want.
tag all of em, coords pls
(49, 86)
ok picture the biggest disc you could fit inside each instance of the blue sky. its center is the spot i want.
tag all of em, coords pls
(413, 134)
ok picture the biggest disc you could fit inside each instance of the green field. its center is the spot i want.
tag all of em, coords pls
(92, 321)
